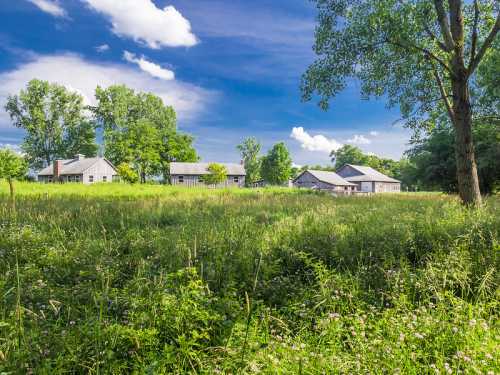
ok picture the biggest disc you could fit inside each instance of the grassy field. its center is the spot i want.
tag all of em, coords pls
(158, 280)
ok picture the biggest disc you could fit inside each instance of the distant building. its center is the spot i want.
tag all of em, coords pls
(191, 174)
(323, 180)
(80, 169)
(369, 180)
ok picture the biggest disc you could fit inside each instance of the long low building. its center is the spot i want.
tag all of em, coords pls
(192, 174)
(79, 169)
(323, 180)
(369, 180)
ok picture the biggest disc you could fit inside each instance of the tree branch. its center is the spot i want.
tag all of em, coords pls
(444, 25)
(487, 43)
(435, 38)
(474, 33)
(442, 91)
(425, 51)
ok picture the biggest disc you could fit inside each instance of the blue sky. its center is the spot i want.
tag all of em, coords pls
(230, 68)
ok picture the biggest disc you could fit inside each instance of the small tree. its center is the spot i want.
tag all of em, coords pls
(277, 165)
(218, 174)
(12, 167)
(127, 174)
(249, 150)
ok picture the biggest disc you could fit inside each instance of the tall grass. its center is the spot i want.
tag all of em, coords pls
(152, 279)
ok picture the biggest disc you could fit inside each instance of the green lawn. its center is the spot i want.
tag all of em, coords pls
(153, 279)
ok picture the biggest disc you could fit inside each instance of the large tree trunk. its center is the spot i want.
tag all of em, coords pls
(468, 182)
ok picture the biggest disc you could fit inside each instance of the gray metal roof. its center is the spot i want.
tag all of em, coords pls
(331, 178)
(198, 169)
(369, 174)
(72, 166)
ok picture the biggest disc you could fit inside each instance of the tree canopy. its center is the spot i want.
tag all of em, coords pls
(277, 165)
(53, 119)
(217, 175)
(419, 54)
(12, 167)
(140, 131)
(250, 149)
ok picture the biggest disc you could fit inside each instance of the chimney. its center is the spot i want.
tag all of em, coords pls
(79, 156)
(57, 169)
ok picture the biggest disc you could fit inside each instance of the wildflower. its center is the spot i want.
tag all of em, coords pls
(472, 322)
(401, 337)
(489, 356)
(72, 323)
(419, 335)
(454, 329)
(484, 325)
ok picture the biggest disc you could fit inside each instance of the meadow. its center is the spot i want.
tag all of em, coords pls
(119, 279)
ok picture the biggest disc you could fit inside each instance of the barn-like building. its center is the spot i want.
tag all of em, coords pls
(369, 180)
(323, 180)
(192, 174)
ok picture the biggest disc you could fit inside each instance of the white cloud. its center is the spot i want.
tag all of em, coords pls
(49, 6)
(359, 139)
(152, 69)
(83, 76)
(142, 21)
(314, 143)
(373, 133)
(102, 48)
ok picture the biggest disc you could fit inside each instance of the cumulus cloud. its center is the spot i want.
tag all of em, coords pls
(373, 133)
(152, 69)
(49, 6)
(102, 48)
(359, 139)
(142, 21)
(314, 143)
(82, 76)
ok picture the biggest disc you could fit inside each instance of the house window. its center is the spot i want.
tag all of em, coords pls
(104, 178)
(50, 178)
(200, 179)
(181, 179)
(236, 179)
(71, 178)
(91, 179)
(346, 187)
(77, 178)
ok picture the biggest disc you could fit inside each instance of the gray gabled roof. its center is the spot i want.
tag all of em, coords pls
(197, 169)
(331, 178)
(73, 166)
(368, 174)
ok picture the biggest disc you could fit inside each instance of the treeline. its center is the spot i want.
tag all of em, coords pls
(430, 163)
(139, 133)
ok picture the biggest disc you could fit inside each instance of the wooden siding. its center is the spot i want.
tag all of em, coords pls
(197, 180)
(100, 171)
(387, 187)
(307, 180)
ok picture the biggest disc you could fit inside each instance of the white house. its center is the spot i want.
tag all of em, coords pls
(79, 169)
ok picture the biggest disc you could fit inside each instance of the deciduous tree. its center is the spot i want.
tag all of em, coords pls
(419, 54)
(12, 167)
(53, 119)
(217, 175)
(277, 165)
(250, 149)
